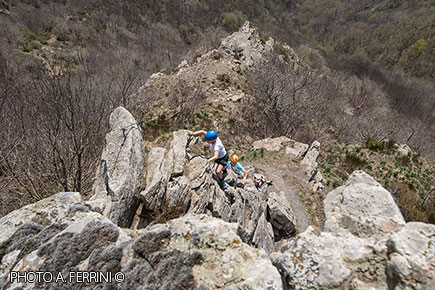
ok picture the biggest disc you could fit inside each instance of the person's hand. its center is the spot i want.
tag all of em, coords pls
(244, 180)
(190, 133)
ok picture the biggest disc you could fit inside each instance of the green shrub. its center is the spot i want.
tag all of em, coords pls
(336, 184)
(63, 37)
(31, 36)
(223, 78)
(233, 20)
(404, 160)
(374, 145)
(354, 161)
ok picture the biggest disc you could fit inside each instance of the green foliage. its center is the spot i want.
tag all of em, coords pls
(224, 79)
(63, 37)
(31, 36)
(336, 184)
(354, 161)
(4, 4)
(372, 144)
(233, 20)
(404, 160)
(263, 40)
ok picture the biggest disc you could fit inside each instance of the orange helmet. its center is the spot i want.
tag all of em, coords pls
(234, 158)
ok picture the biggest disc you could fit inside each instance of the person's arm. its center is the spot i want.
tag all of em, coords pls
(216, 155)
(246, 176)
(200, 132)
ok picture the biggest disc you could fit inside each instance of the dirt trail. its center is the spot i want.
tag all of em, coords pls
(277, 176)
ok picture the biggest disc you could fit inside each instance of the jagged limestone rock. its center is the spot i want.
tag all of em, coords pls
(351, 252)
(194, 251)
(226, 261)
(263, 236)
(119, 176)
(178, 194)
(45, 212)
(157, 178)
(281, 215)
(246, 45)
(362, 207)
(246, 210)
(296, 149)
(178, 150)
(311, 167)
(271, 144)
(412, 257)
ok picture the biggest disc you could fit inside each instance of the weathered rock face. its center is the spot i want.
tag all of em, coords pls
(362, 207)
(195, 251)
(119, 176)
(226, 261)
(162, 169)
(281, 216)
(157, 177)
(296, 149)
(403, 149)
(412, 257)
(271, 144)
(45, 212)
(351, 252)
(311, 167)
(194, 189)
(246, 45)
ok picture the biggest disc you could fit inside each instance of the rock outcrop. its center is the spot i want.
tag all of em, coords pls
(271, 144)
(119, 176)
(311, 167)
(296, 149)
(411, 255)
(176, 186)
(352, 252)
(195, 251)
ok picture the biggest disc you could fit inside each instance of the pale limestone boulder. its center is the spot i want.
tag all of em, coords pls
(45, 212)
(157, 178)
(119, 176)
(271, 144)
(296, 149)
(194, 251)
(362, 207)
(404, 149)
(178, 151)
(351, 252)
(281, 215)
(412, 256)
(311, 167)
(227, 262)
(263, 237)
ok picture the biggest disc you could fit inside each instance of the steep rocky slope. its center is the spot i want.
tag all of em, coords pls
(158, 219)
(365, 243)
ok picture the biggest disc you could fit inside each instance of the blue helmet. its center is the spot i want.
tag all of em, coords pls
(211, 135)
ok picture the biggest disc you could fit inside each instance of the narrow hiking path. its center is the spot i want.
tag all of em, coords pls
(277, 175)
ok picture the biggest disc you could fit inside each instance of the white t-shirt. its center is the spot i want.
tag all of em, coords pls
(219, 147)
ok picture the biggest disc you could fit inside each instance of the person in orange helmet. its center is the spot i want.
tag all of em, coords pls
(237, 168)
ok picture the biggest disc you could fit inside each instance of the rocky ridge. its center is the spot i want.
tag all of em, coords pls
(180, 230)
